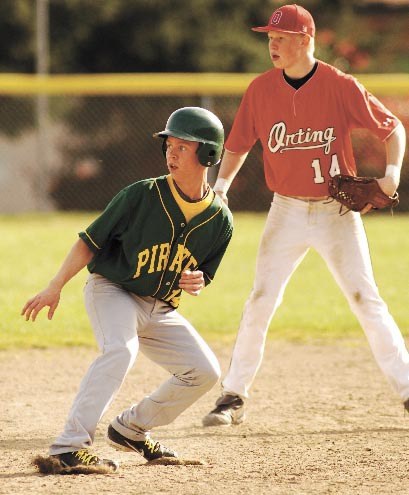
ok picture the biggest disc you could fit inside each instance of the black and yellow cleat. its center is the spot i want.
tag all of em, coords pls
(77, 462)
(84, 457)
(148, 448)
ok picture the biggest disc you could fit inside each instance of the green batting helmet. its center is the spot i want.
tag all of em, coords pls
(197, 124)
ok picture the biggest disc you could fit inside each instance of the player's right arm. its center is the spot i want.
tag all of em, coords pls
(229, 167)
(79, 256)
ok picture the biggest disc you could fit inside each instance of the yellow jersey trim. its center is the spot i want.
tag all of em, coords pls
(93, 243)
(171, 242)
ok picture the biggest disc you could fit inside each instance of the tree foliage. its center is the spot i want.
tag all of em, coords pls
(194, 35)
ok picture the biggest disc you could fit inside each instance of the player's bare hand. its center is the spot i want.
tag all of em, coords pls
(367, 209)
(192, 282)
(48, 297)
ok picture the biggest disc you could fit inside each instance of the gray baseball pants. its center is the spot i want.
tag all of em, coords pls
(123, 323)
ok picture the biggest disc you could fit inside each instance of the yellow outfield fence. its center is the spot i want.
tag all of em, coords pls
(73, 141)
(166, 84)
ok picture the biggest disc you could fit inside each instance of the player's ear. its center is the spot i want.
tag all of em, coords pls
(164, 147)
(307, 43)
(305, 39)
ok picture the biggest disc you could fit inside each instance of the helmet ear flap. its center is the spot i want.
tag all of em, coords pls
(208, 154)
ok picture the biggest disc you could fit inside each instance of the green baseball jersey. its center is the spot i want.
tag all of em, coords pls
(143, 242)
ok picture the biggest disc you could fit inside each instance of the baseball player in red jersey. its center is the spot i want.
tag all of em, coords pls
(303, 111)
(156, 238)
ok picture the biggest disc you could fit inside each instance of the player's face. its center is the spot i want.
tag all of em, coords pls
(181, 157)
(285, 49)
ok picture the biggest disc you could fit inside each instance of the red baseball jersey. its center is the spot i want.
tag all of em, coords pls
(306, 133)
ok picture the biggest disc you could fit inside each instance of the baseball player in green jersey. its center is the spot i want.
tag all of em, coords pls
(156, 238)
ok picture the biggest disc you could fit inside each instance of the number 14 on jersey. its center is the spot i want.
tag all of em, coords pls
(333, 169)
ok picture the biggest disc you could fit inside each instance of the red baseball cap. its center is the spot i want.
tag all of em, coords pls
(289, 19)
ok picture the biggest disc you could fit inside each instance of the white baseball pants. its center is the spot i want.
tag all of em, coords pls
(123, 323)
(292, 227)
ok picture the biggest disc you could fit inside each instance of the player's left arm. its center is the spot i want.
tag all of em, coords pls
(395, 149)
(365, 111)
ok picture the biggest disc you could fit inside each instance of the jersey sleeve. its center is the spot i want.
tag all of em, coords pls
(109, 224)
(366, 111)
(243, 133)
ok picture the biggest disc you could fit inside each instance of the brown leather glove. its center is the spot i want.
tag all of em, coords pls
(356, 192)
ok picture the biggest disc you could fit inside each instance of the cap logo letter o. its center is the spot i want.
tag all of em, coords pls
(276, 17)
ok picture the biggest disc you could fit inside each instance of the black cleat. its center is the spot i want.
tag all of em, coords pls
(148, 448)
(83, 458)
(229, 410)
(406, 405)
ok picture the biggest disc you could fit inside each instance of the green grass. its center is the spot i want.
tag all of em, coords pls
(313, 305)
(33, 247)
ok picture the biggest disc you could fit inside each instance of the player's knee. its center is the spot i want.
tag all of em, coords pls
(121, 357)
(213, 375)
(258, 296)
(204, 375)
(366, 304)
(264, 299)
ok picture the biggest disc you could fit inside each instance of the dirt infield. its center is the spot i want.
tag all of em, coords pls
(322, 420)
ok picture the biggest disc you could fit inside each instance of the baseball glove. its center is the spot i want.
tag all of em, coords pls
(356, 192)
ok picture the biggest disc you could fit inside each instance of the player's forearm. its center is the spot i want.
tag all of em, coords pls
(79, 256)
(231, 164)
(395, 149)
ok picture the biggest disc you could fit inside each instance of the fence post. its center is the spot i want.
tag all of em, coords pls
(42, 111)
